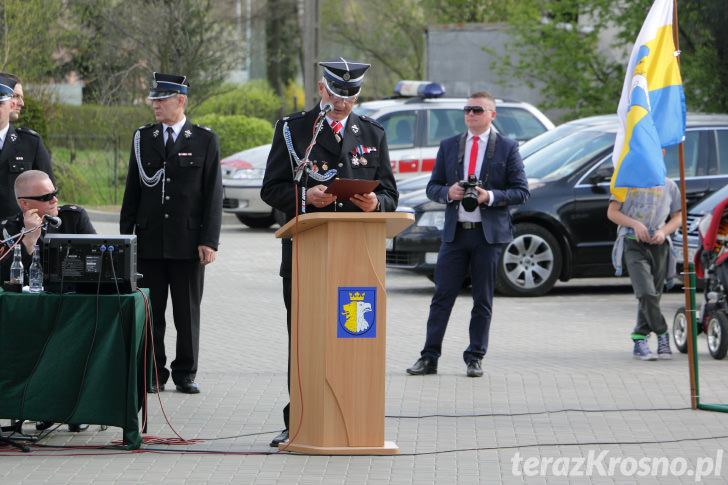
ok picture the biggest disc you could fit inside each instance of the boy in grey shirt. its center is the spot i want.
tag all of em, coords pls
(643, 238)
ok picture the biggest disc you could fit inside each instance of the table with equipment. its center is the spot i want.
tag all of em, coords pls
(75, 358)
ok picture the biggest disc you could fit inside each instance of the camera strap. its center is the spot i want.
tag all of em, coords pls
(489, 152)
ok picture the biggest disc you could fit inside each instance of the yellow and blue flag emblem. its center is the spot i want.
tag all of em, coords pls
(652, 107)
(357, 312)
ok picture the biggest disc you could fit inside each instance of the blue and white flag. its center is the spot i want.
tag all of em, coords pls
(652, 108)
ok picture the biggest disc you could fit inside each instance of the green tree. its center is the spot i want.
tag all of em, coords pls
(131, 38)
(33, 38)
(283, 44)
(555, 48)
(465, 11)
(391, 39)
(703, 41)
(552, 49)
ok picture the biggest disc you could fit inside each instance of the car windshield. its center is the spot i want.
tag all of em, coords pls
(548, 137)
(564, 156)
(362, 111)
(517, 123)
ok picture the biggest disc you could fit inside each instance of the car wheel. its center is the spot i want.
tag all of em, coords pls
(717, 333)
(680, 330)
(530, 264)
(256, 222)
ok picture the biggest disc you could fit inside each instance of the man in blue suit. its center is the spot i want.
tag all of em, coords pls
(475, 229)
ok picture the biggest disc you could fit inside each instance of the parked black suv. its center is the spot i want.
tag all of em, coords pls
(562, 231)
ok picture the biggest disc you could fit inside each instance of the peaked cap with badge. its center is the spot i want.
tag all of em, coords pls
(343, 78)
(167, 85)
(6, 88)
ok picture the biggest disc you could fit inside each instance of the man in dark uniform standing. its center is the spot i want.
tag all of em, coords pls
(348, 146)
(173, 203)
(21, 149)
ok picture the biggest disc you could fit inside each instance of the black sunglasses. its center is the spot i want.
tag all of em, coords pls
(42, 198)
(475, 109)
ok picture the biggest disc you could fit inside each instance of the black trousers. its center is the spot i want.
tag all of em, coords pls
(183, 279)
(469, 251)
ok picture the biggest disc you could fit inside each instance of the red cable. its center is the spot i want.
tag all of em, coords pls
(154, 439)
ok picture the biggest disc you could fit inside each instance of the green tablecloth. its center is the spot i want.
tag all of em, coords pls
(73, 359)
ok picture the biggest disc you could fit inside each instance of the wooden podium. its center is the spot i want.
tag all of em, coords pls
(338, 331)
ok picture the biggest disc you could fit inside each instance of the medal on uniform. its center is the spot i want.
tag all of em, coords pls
(324, 166)
(188, 133)
(155, 133)
(355, 160)
(13, 137)
(355, 129)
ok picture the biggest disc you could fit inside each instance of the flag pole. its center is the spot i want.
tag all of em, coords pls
(688, 287)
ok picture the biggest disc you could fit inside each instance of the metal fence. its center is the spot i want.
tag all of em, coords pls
(91, 167)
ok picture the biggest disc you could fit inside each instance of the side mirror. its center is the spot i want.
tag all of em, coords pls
(602, 174)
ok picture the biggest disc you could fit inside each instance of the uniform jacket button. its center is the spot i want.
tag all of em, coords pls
(166, 216)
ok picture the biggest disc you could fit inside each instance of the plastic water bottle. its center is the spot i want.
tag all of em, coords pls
(35, 273)
(16, 269)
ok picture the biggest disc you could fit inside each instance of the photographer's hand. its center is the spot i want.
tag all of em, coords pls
(455, 192)
(483, 196)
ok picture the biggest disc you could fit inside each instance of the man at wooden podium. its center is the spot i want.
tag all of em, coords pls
(347, 146)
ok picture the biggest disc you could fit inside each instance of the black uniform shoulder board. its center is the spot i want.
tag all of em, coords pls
(294, 116)
(146, 126)
(372, 121)
(204, 128)
(23, 129)
(69, 208)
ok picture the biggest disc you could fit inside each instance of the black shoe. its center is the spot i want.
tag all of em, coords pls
(77, 428)
(188, 386)
(424, 365)
(43, 425)
(475, 369)
(155, 388)
(281, 438)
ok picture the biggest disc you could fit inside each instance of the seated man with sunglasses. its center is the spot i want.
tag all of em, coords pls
(37, 197)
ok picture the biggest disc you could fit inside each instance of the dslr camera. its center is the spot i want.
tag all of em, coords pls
(470, 199)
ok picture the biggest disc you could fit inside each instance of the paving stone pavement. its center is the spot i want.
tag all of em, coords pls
(561, 400)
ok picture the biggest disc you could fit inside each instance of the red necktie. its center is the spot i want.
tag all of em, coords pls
(473, 155)
(336, 126)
